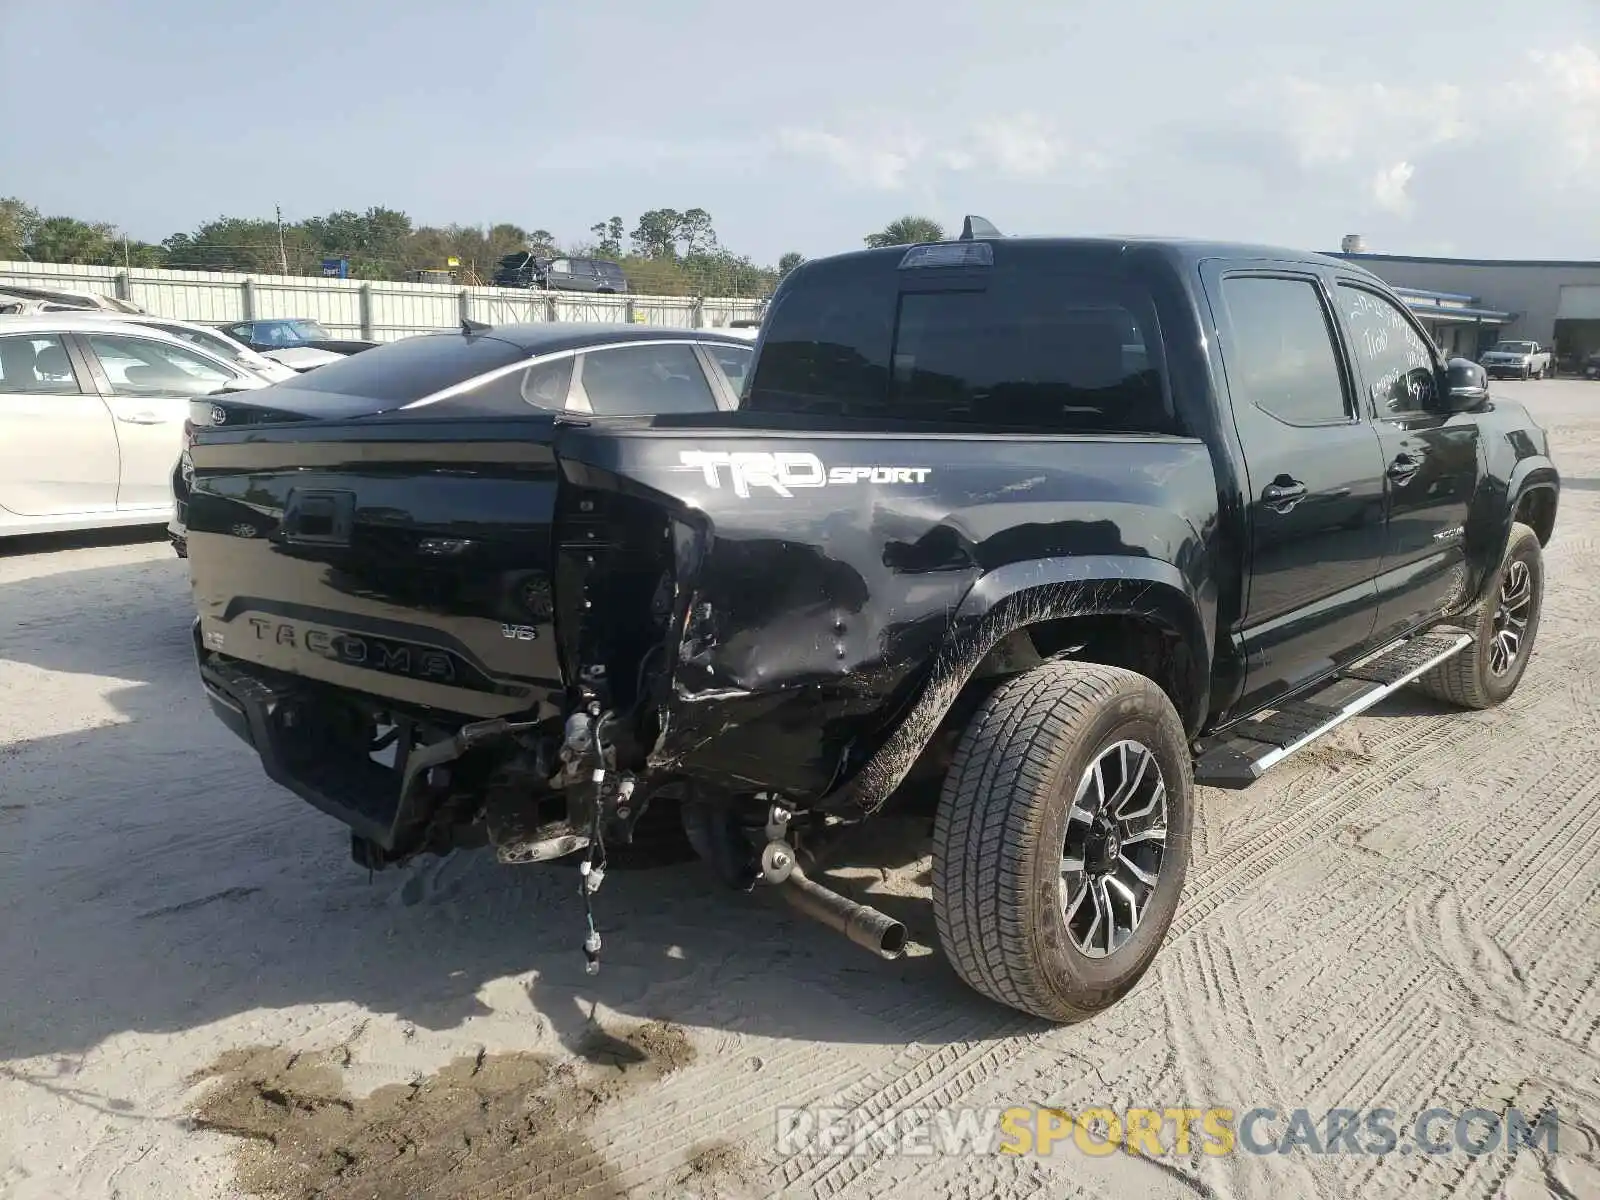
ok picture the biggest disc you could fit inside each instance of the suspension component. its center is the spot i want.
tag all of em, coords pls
(778, 855)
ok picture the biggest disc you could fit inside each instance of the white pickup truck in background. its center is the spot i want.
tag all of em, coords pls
(1518, 359)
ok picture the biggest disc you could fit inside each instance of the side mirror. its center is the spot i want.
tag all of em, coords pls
(1467, 385)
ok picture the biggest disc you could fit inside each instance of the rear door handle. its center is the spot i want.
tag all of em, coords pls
(1283, 493)
(144, 418)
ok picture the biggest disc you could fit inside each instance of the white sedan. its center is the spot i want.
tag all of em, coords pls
(91, 419)
(211, 340)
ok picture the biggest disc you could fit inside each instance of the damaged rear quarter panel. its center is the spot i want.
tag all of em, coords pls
(814, 600)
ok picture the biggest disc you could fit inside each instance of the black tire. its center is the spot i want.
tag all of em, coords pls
(1000, 836)
(1470, 679)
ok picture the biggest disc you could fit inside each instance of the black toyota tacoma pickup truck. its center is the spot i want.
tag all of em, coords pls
(1049, 530)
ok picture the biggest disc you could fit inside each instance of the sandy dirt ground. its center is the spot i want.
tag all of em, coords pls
(201, 996)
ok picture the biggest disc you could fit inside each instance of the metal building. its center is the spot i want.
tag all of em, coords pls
(1475, 301)
(1460, 324)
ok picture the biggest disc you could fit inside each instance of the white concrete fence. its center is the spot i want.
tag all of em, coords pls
(364, 308)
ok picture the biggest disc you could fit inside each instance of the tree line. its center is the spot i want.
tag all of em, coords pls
(667, 252)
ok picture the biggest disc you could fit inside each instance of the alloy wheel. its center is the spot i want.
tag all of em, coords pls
(1115, 842)
(1514, 607)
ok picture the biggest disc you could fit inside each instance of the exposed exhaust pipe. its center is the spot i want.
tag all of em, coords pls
(866, 927)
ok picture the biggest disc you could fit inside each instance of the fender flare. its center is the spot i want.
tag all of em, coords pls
(1010, 598)
(1496, 516)
(1531, 475)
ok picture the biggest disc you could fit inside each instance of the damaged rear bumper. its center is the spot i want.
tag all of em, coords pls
(380, 804)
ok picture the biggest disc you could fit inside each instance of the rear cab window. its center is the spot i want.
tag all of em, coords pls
(1038, 341)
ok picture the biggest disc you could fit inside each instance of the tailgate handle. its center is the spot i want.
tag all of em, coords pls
(319, 518)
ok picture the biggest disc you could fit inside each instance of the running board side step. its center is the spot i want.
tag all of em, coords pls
(1255, 746)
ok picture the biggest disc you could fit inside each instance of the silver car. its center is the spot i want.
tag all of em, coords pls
(91, 419)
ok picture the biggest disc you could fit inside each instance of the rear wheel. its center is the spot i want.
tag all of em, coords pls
(1504, 627)
(1062, 838)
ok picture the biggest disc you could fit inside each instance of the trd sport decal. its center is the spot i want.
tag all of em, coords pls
(785, 471)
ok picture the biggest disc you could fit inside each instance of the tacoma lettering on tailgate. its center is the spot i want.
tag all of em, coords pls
(378, 654)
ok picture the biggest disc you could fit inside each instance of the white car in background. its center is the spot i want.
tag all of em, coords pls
(742, 329)
(299, 359)
(92, 411)
(208, 339)
(16, 298)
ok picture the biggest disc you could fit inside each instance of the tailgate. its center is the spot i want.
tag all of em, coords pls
(410, 560)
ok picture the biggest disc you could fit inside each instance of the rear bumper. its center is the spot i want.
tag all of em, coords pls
(178, 529)
(380, 804)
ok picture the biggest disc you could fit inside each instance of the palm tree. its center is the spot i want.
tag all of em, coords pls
(905, 231)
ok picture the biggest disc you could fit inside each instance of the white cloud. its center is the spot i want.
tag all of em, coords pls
(1524, 136)
(889, 156)
(1358, 145)
(1505, 160)
(1389, 188)
(875, 159)
(1561, 104)
(1023, 145)
(1343, 121)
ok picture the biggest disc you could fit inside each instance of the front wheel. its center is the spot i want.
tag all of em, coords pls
(1504, 627)
(1062, 838)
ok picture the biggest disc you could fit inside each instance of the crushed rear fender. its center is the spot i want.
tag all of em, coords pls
(1027, 593)
(819, 634)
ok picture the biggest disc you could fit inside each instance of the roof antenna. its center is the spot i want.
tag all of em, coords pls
(977, 227)
(470, 327)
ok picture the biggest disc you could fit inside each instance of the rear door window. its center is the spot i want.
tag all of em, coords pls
(734, 361)
(36, 363)
(136, 366)
(1024, 347)
(541, 384)
(1283, 358)
(652, 377)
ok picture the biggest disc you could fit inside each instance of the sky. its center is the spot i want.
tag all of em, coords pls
(1448, 128)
